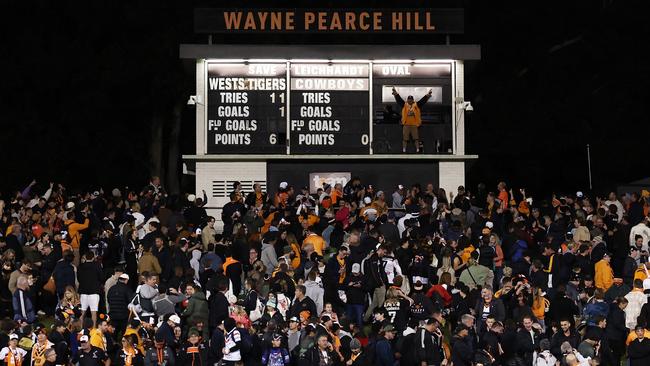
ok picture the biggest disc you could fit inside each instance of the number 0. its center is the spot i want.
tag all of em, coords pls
(273, 139)
(365, 139)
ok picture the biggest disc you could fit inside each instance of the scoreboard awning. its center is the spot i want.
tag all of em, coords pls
(331, 52)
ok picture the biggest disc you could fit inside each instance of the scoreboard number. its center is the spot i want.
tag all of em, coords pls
(365, 139)
(272, 95)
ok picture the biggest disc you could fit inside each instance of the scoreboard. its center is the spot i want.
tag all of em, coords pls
(312, 107)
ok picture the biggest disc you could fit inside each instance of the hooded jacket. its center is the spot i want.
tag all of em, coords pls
(269, 257)
(197, 310)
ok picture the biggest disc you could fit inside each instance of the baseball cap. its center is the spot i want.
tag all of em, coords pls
(124, 276)
(294, 319)
(83, 338)
(277, 337)
(356, 268)
(174, 318)
(13, 336)
(284, 185)
(388, 328)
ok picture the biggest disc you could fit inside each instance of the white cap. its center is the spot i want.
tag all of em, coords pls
(489, 224)
(191, 197)
(284, 185)
(356, 268)
(69, 205)
(83, 338)
(13, 336)
(175, 319)
(400, 186)
(198, 231)
(139, 218)
(124, 276)
(116, 192)
(367, 200)
(579, 194)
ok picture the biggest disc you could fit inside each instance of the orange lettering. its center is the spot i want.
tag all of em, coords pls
(417, 21)
(262, 15)
(276, 20)
(232, 19)
(397, 21)
(376, 20)
(428, 20)
(310, 18)
(322, 19)
(250, 22)
(408, 20)
(362, 23)
(349, 21)
(288, 20)
(336, 22)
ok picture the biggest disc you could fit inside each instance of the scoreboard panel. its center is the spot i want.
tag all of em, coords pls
(310, 107)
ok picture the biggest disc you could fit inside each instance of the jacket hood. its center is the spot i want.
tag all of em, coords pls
(199, 295)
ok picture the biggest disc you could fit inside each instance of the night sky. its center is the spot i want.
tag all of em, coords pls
(83, 87)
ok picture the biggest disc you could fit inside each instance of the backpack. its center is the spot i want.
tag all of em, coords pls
(371, 353)
(246, 342)
(257, 313)
(159, 302)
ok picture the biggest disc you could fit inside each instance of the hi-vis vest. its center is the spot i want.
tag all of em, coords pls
(411, 115)
(38, 353)
(13, 357)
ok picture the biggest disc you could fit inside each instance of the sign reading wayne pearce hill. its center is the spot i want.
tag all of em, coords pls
(417, 20)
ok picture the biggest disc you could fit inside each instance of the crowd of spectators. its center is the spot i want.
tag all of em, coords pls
(348, 275)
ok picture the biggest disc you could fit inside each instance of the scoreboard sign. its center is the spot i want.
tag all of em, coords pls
(246, 108)
(324, 108)
(329, 108)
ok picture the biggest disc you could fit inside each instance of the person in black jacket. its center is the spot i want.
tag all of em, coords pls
(64, 273)
(335, 274)
(561, 306)
(639, 349)
(489, 306)
(616, 331)
(461, 351)
(218, 304)
(375, 278)
(428, 343)
(59, 336)
(566, 334)
(630, 265)
(90, 278)
(321, 354)
(528, 339)
(301, 303)
(119, 296)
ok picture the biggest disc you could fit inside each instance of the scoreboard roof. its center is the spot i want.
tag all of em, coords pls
(331, 52)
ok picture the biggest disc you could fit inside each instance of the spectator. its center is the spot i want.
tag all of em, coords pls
(118, 298)
(639, 350)
(24, 310)
(90, 278)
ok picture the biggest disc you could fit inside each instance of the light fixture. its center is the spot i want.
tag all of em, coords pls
(194, 100)
(463, 105)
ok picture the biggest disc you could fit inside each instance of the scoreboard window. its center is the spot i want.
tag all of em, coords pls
(246, 108)
(330, 107)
